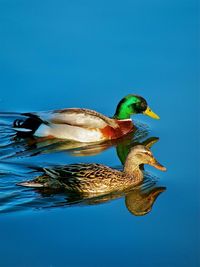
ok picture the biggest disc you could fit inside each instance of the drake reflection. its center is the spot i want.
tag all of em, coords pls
(35, 146)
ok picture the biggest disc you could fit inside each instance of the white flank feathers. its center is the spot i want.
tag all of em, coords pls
(69, 132)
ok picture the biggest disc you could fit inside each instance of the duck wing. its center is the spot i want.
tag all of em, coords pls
(80, 171)
(77, 117)
(82, 177)
(71, 175)
(92, 178)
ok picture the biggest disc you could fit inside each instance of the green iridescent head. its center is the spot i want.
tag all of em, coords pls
(133, 104)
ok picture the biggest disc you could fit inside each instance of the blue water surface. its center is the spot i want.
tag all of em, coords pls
(57, 54)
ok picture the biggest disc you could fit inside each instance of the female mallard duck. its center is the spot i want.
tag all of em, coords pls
(97, 178)
(84, 125)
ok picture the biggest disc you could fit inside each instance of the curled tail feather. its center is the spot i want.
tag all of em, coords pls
(28, 126)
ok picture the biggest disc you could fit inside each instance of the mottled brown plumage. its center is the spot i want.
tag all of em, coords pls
(97, 178)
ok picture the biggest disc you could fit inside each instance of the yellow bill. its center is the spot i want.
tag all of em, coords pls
(151, 114)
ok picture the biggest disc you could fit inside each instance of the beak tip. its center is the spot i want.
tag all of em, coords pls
(151, 114)
(159, 166)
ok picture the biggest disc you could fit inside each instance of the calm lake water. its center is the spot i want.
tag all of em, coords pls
(57, 54)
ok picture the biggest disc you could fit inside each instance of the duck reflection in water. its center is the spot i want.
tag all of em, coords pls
(35, 146)
(32, 146)
(138, 200)
(95, 183)
(13, 146)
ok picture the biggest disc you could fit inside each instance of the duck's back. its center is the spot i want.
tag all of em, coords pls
(79, 117)
(91, 178)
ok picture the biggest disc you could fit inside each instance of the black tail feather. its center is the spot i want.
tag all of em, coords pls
(30, 125)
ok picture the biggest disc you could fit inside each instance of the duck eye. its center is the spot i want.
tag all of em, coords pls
(147, 153)
(141, 106)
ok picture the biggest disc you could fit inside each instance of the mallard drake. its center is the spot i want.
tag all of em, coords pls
(97, 178)
(84, 125)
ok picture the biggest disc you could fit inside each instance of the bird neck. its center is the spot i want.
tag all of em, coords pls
(132, 168)
(122, 114)
(124, 110)
(135, 172)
